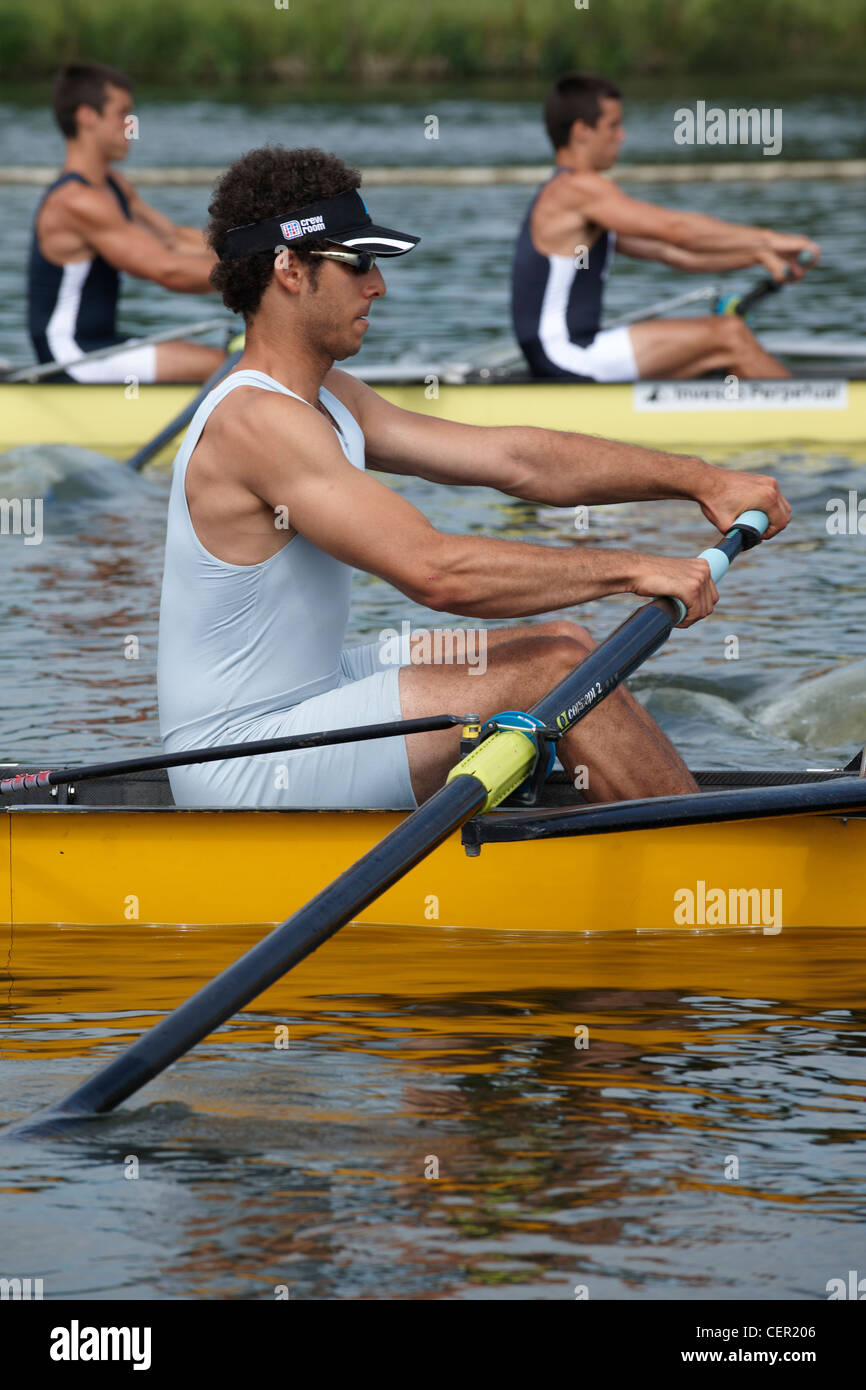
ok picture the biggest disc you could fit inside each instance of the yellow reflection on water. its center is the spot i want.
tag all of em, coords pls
(581, 1099)
(68, 989)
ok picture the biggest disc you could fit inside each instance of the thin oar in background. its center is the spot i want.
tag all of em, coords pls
(29, 781)
(37, 370)
(666, 306)
(181, 420)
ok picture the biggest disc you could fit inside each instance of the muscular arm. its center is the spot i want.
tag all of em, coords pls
(172, 236)
(597, 199)
(553, 467)
(132, 247)
(190, 239)
(700, 262)
(288, 457)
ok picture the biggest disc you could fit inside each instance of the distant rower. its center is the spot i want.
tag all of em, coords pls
(90, 225)
(567, 240)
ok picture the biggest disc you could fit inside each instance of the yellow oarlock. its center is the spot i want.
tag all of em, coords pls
(500, 763)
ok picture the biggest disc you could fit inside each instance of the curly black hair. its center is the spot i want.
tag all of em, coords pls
(268, 182)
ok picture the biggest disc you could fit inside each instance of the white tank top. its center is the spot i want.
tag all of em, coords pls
(238, 640)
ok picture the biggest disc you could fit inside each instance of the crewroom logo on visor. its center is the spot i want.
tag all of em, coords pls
(343, 219)
(291, 230)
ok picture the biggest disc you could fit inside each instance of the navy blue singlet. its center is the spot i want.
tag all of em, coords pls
(72, 308)
(549, 291)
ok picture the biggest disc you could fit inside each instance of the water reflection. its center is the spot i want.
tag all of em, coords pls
(607, 1165)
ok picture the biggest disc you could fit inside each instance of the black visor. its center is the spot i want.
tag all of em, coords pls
(343, 218)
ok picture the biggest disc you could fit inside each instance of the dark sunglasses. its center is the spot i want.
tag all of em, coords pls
(360, 261)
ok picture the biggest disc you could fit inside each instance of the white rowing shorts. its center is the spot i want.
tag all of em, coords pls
(353, 776)
(137, 364)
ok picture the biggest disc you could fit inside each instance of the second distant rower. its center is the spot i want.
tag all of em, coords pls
(567, 240)
(92, 224)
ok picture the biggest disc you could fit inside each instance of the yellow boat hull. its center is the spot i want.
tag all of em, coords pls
(117, 420)
(128, 867)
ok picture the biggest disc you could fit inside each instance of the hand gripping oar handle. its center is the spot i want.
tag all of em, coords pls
(742, 304)
(504, 761)
(746, 532)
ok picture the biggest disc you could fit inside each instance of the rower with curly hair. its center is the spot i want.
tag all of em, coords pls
(274, 503)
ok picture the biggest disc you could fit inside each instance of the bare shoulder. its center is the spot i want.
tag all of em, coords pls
(255, 410)
(348, 389)
(253, 424)
(562, 214)
(576, 188)
(88, 206)
(358, 398)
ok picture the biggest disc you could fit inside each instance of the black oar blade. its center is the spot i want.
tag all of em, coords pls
(276, 953)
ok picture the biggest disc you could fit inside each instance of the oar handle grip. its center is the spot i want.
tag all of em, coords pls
(752, 521)
(745, 532)
(741, 304)
(805, 258)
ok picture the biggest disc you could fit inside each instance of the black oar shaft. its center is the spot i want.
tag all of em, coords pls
(613, 660)
(284, 947)
(838, 795)
(745, 305)
(747, 302)
(180, 421)
(608, 664)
